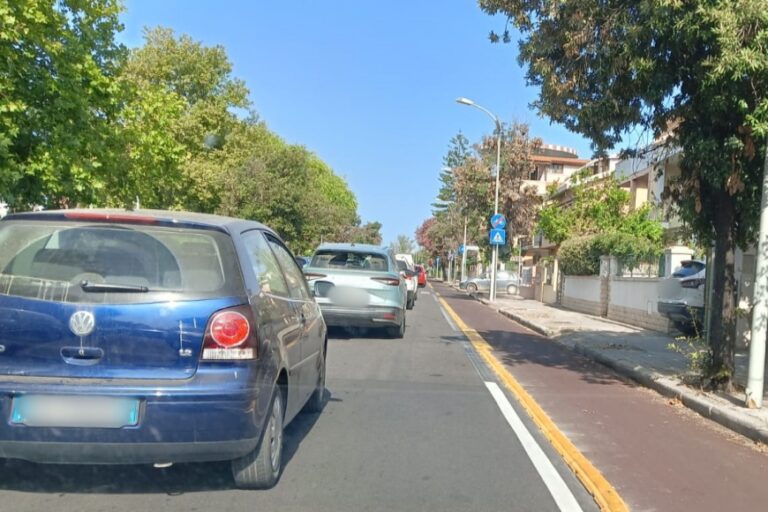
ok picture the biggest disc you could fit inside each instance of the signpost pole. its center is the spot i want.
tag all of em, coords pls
(464, 250)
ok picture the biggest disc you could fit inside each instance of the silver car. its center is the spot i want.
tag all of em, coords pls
(505, 281)
(358, 285)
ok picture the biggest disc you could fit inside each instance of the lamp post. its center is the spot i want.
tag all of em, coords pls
(495, 254)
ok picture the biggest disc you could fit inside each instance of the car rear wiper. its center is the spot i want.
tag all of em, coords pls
(88, 286)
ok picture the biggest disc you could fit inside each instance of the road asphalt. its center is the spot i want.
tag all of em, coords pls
(412, 424)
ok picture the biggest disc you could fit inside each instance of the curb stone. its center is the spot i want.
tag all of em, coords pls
(698, 402)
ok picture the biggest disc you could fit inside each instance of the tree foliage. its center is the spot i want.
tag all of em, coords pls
(402, 245)
(83, 121)
(467, 191)
(697, 69)
(59, 94)
(601, 206)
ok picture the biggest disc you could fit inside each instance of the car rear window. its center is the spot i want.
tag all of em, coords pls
(350, 260)
(50, 261)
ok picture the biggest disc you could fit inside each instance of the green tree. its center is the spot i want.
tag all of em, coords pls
(58, 98)
(403, 245)
(697, 69)
(213, 137)
(459, 151)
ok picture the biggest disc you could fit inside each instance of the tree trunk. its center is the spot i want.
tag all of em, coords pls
(722, 326)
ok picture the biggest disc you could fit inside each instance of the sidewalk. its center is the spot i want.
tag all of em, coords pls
(640, 354)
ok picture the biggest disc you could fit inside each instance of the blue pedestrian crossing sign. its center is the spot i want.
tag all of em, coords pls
(498, 237)
(498, 221)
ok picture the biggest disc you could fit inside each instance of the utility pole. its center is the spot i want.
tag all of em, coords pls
(756, 375)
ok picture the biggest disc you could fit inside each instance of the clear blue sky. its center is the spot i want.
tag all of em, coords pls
(368, 86)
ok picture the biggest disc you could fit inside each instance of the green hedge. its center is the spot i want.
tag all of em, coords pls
(580, 256)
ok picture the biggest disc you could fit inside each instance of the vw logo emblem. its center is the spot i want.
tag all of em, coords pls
(81, 323)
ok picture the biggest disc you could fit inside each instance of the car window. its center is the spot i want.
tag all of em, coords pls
(51, 260)
(350, 260)
(297, 285)
(268, 272)
(688, 268)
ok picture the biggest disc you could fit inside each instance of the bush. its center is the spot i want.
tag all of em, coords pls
(580, 256)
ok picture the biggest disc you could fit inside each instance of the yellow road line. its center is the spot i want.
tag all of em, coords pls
(605, 494)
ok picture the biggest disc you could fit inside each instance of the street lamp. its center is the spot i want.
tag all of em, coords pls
(495, 254)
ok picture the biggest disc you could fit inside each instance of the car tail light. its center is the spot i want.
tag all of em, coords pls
(391, 281)
(692, 283)
(230, 335)
(311, 276)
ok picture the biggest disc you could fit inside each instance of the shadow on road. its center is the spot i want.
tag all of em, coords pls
(520, 348)
(23, 476)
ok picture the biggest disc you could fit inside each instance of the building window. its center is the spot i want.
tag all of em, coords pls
(555, 169)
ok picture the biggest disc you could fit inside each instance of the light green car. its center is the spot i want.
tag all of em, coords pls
(358, 285)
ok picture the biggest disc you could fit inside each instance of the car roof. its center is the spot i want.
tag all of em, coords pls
(351, 247)
(219, 222)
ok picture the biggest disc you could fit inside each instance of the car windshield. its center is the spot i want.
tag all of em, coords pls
(104, 263)
(688, 268)
(350, 260)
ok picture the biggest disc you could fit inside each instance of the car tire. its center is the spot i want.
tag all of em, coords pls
(260, 469)
(472, 288)
(410, 303)
(397, 331)
(512, 289)
(316, 401)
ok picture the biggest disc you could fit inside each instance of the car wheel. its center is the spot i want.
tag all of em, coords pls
(687, 328)
(261, 468)
(316, 402)
(399, 330)
(409, 304)
(512, 289)
(472, 288)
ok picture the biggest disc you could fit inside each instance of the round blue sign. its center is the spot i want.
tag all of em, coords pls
(498, 221)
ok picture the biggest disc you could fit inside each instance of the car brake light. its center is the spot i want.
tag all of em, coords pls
(692, 283)
(311, 276)
(229, 335)
(112, 217)
(391, 281)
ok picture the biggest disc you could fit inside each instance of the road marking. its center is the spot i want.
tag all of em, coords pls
(597, 485)
(435, 297)
(448, 319)
(560, 492)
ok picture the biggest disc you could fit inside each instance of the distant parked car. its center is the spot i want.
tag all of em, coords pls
(358, 285)
(681, 296)
(302, 261)
(408, 272)
(422, 275)
(153, 337)
(506, 281)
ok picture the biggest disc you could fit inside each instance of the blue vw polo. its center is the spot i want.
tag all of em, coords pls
(153, 337)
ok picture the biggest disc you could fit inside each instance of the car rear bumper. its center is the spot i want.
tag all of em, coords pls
(179, 422)
(371, 316)
(124, 453)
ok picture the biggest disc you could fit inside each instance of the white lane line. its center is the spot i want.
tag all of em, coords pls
(448, 319)
(563, 496)
(435, 297)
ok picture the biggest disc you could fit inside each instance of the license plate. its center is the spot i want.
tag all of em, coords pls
(74, 411)
(349, 296)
